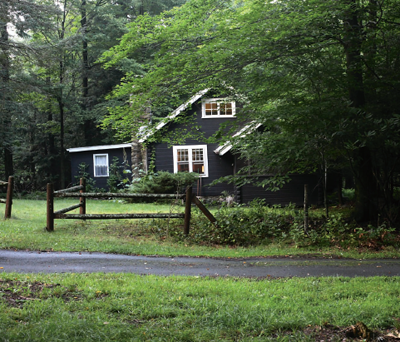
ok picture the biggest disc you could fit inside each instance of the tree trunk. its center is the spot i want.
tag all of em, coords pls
(50, 148)
(136, 159)
(5, 102)
(88, 123)
(365, 186)
(60, 100)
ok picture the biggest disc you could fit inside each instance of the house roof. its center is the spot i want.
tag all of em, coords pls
(252, 126)
(149, 132)
(97, 148)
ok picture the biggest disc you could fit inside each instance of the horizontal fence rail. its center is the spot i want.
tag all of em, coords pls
(74, 188)
(116, 216)
(120, 195)
(82, 195)
(9, 197)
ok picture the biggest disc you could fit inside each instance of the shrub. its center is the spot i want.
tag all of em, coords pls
(163, 183)
(89, 181)
(349, 194)
(117, 175)
(259, 225)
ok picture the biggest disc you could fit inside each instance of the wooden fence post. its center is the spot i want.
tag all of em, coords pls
(9, 198)
(82, 200)
(306, 208)
(188, 207)
(50, 208)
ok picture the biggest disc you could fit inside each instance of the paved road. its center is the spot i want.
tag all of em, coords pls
(60, 262)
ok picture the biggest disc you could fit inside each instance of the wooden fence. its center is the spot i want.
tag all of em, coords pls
(82, 195)
(8, 200)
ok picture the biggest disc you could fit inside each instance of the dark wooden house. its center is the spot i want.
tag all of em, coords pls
(190, 125)
(205, 114)
(97, 161)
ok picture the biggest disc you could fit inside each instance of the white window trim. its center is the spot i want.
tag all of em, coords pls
(218, 116)
(190, 148)
(94, 164)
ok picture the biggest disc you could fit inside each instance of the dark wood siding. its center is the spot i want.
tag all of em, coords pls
(291, 192)
(86, 157)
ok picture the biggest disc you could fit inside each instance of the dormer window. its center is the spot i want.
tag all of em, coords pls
(218, 108)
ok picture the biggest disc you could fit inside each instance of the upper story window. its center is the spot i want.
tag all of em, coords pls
(217, 108)
(100, 165)
(191, 158)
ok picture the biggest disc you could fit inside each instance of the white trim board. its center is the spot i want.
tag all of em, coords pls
(222, 149)
(97, 148)
(173, 115)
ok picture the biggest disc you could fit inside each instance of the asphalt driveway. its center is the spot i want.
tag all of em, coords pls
(80, 262)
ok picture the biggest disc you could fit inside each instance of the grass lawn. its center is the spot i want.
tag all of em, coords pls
(126, 307)
(26, 230)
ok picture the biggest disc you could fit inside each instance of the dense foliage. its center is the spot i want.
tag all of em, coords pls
(163, 183)
(259, 225)
(321, 76)
(52, 88)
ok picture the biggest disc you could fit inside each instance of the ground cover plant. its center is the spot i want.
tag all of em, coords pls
(241, 232)
(122, 307)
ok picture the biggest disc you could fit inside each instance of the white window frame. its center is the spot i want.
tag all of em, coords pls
(190, 148)
(218, 115)
(94, 164)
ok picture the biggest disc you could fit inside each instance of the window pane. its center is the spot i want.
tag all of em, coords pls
(183, 167)
(226, 108)
(211, 108)
(183, 155)
(198, 168)
(101, 170)
(101, 160)
(183, 160)
(197, 154)
(198, 160)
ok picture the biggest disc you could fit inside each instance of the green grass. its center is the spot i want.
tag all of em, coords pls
(126, 307)
(26, 230)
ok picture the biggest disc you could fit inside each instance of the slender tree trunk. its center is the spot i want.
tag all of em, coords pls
(326, 188)
(5, 98)
(365, 186)
(62, 154)
(60, 100)
(50, 148)
(88, 123)
(85, 63)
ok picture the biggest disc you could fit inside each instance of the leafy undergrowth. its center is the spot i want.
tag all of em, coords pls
(260, 225)
(126, 307)
(240, 232)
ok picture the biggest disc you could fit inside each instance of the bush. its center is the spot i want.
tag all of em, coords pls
(349, 194)
(260, 225)
(241, 225)
(163, 183)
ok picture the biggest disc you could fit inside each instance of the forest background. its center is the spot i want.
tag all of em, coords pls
(322, 77)
(53, 89)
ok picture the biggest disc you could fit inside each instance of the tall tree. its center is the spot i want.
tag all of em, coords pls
(17, 18)
(320, 76)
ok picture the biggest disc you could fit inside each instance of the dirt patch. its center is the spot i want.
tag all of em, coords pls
(17, 293)
(331, 333)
